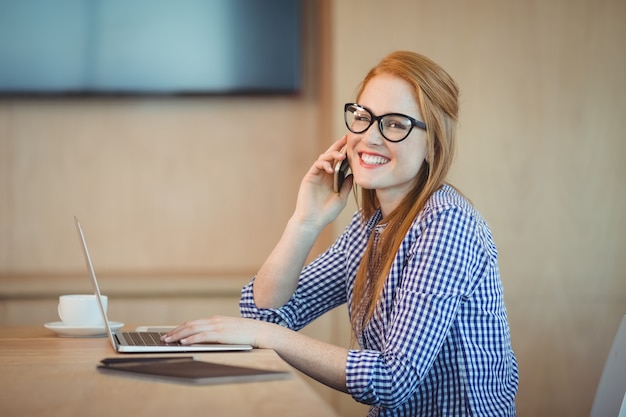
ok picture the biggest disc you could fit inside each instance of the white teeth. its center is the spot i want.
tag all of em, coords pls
(373, 159)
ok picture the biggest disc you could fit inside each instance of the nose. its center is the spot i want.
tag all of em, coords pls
(372, 135)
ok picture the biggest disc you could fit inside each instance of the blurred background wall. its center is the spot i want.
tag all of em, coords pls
(182, 198)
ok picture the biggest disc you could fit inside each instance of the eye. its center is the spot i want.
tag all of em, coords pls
(360, 116)
(396, 123)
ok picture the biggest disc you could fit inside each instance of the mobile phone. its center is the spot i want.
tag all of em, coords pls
(342, 169)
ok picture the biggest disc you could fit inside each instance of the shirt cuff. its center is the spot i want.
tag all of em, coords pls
(285, 316)
(359, 368)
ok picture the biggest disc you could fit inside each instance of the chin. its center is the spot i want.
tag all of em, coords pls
(368, 186)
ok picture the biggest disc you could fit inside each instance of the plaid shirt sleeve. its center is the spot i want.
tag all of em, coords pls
(321, 286)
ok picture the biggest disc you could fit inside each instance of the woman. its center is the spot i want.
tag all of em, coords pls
(417, 265)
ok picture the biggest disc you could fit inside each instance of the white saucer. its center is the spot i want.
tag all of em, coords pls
(81, 331)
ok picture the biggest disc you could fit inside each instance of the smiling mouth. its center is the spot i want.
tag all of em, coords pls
(373, 159)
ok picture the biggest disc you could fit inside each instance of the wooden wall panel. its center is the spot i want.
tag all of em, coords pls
(5, 187)
(174, 184)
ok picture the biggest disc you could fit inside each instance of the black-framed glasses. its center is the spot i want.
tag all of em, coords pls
(394, 127)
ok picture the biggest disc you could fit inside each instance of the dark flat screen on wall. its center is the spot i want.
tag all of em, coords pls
(108, 47)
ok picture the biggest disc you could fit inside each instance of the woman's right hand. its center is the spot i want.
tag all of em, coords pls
(317, 204)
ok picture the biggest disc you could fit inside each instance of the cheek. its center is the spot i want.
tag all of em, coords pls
(413, 159)
(352, 139)
(411, 167)
(351, 144)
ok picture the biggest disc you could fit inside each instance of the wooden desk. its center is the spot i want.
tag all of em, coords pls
(45, 375)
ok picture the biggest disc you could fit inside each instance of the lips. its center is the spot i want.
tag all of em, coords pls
(369, 159)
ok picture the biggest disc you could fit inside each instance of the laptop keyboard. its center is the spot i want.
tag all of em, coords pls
(146, 339)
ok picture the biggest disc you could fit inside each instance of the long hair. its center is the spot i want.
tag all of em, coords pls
(436, 94)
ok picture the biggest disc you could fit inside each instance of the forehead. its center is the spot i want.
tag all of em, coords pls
(386, 93)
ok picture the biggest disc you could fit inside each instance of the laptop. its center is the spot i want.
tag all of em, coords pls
(143, 341)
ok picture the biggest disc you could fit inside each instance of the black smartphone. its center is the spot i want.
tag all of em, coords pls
(342, 169)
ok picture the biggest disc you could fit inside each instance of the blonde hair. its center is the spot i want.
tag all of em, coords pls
(437, 95)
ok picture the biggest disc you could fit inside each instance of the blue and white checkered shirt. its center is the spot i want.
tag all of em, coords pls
(439, 342)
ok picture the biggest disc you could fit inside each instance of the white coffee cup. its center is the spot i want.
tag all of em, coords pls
(81, 310)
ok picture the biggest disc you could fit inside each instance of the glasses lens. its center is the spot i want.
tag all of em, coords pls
(395, 127)
(358, 119)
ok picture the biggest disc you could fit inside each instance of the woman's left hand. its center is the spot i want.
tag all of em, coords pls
(221, 329)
